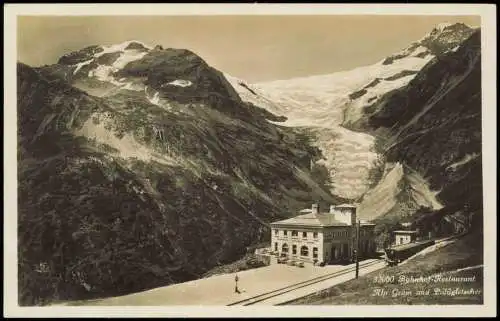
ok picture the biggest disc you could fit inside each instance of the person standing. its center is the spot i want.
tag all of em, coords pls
(236, 290)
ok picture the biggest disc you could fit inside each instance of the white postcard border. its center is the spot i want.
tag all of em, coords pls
(488, 34)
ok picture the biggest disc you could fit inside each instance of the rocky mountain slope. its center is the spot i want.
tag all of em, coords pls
(433, 127)
(139, 167)
(337, 111)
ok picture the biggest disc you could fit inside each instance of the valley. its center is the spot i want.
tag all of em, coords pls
(141, 166)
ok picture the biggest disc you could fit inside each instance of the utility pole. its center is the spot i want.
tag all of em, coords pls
(356, 253)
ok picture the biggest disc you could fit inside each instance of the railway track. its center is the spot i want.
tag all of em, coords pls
(293, 287)
(299, 285)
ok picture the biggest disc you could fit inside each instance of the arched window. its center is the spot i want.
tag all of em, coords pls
(304, 251)
(284, 248)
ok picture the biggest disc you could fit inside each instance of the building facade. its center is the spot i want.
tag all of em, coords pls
(323, 237)
(404, 237)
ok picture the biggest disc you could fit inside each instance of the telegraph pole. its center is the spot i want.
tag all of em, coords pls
(357, 248)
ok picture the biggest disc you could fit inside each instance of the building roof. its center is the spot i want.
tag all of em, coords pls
(346, 206)
(405, 232)
(319, 220)
(310, 219)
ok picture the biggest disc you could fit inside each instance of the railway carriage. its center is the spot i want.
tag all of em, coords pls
(396, 254)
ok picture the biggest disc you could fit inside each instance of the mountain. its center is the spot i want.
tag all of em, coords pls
(139, 167)
(336, 108)
(330, 99)
(433, 126)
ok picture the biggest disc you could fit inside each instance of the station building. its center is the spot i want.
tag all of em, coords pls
(404, 237)
(328, 237)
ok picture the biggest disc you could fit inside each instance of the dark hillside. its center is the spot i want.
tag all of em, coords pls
(118, 195)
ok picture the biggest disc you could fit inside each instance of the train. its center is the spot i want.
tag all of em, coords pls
(394, 255)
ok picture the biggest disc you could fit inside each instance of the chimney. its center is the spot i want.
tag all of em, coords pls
(332, 209)
(353, 216)
(345, 213)
(314, 209)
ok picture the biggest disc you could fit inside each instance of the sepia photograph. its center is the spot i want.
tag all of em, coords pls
(293, 160)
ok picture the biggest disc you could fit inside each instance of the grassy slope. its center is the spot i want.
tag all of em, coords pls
(465, 252)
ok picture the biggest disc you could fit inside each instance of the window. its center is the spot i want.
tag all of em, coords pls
(315, 252)
(294, 249)
(276, 246)
(276, 232)
(304, 235)
(304, 251)
(285, 232)
(284, 248)
(295, 233)
(315, 235)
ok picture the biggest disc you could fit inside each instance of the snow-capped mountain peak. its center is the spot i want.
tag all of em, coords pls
(126, 45)
(443, 26)
(445, 37)
(331, 101)
(94, 65)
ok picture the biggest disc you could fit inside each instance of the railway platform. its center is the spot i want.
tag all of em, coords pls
(269, 283)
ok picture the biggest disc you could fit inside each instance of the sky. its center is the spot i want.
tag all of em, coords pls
(255, 48)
